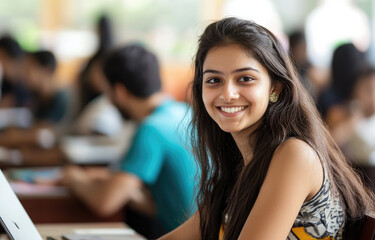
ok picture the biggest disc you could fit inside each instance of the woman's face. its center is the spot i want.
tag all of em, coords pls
(235, 89)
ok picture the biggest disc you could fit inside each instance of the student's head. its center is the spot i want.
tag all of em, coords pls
(11, 55)
(40, 67)
(347, 63)
(239, 65)
(297, 47)
(239, 50)
(363, 93)
(133, 73)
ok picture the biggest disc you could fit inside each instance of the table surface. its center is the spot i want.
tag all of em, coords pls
(56, 204)
(57, 230)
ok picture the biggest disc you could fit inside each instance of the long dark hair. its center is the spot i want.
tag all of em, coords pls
(227, 186)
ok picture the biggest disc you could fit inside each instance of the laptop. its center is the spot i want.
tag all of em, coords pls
(13, 216)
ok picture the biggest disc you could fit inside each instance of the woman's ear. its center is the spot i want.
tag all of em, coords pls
(120, 92)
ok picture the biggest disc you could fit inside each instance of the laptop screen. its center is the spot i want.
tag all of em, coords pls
(13, 216)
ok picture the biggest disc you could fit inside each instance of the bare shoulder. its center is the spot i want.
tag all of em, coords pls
(296, 152)
(301, 161)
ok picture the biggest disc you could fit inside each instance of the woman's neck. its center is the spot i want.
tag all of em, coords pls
(245, 142)
(244, 145)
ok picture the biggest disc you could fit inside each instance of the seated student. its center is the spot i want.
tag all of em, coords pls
(100, 129)
(269, 168)
(86, 92)
(347, 62)
(312, 78)
(13, 92)
(49, 108)
(158, 160)
(99, 115)
(49, 103)
(352, 122)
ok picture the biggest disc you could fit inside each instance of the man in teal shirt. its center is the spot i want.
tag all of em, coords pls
(158, 171)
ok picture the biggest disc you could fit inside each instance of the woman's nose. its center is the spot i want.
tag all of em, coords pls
(229, 93)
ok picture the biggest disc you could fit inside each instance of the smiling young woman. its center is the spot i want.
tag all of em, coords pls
(269, 167)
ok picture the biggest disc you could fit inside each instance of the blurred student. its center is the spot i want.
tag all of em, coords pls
(99, 116)
(100, 128)
(312, 78)
(156, 176)
(269, 168)
(352, 121)
(49, 107)
(86, 91)
(50, 104)
(13, 92)
(347, 62)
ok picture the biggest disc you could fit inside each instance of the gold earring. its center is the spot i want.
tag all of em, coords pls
(274, 97)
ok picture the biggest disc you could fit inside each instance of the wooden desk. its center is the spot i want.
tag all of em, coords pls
(52, 204)
(62, 209)
(34, 157)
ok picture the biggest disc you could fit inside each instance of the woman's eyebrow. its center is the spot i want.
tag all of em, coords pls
(212, 71)
(235, 71)
(245, 69)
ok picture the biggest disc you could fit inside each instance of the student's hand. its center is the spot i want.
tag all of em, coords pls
(97, 173)
(72, 174)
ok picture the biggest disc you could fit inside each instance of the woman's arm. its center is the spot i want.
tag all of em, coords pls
(294, 176)
(190, 230)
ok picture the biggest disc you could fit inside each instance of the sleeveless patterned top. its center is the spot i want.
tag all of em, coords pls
(319, 218)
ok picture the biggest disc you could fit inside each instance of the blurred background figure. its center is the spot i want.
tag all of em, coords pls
(351, 120)
(87, 87)
(348, 105)
(298, 52)
(99, 133)
(13, 92)
(50, 105)
(96, 114)
(346, 64)
(49, 108)
(360, 145)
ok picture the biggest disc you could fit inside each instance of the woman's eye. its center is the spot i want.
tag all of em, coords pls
(213, 80)
(246, 79)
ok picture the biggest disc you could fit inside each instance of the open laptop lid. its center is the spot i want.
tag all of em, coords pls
(13, 216)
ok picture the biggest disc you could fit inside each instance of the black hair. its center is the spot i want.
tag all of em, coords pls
(347, 63)
(134, 67)
(45, 59)
(104, 33)
(11, 47)
(295, 38)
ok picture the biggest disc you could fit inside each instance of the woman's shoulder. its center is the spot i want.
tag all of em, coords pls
(297, 155)
(297, 148)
